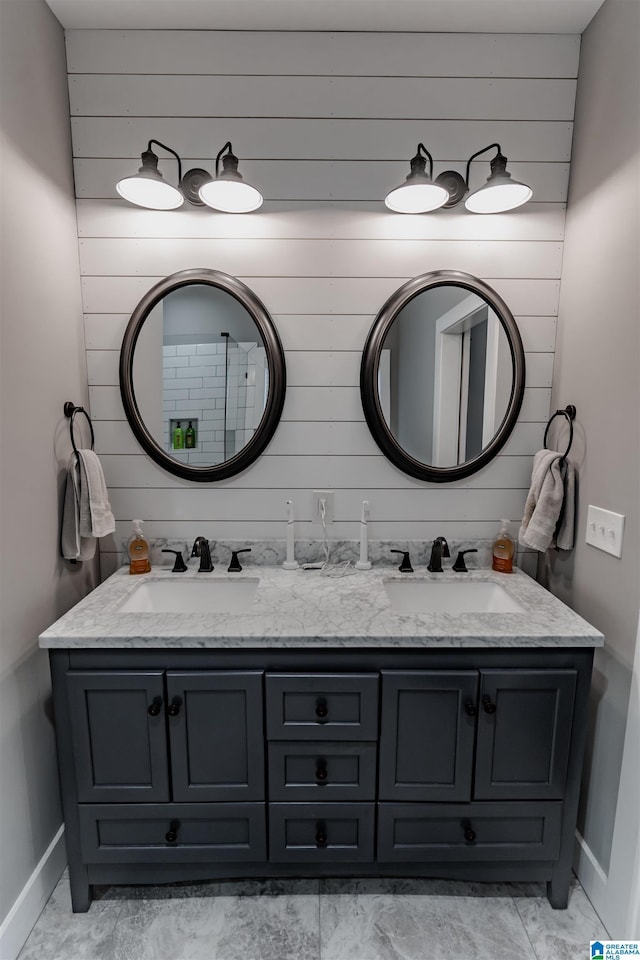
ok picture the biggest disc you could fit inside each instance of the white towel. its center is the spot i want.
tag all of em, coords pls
(96, 518)
(86, 512)
(549, 510)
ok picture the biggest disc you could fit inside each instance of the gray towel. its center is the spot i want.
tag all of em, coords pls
(549, 511)
(73, 545)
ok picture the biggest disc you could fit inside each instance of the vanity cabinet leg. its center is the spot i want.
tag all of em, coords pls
(81, 891)
(558, 890)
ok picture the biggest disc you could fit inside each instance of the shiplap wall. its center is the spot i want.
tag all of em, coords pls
(324, 124)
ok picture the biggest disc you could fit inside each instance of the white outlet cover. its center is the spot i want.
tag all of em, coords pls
(327, 496)
(605, 530)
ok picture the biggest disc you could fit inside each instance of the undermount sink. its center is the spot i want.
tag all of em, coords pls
(191, 596)
(453, 597)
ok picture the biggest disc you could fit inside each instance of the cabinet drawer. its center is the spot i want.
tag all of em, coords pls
(494, 831)
(321, 832)
(137, 833)
(322, 770)
(315, 706)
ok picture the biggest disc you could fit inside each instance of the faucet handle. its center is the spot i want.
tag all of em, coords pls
(405, 566)
(460, 566)
(234, 566)
(179, 565)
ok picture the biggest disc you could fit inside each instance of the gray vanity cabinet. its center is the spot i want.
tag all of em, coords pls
(197, 764)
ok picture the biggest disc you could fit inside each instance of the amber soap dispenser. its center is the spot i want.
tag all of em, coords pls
(138, 551)
(503, 550)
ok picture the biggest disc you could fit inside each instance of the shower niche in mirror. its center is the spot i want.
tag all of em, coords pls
(202, 375)
(442, 376)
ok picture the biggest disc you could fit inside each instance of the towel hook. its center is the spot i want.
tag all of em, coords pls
(70, 410)
(569, 412)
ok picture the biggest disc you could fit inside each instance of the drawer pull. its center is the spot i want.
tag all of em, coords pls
(489, 706)
(321, 835)
(322, 708)
(174, 707)
(471, 709)
(171, 835)
(469, 832)
(155, 706)
(321, 771)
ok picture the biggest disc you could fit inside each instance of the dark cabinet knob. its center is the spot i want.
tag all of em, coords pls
(471, 709)
(469, 832)
(489, 706)
(321, 835)
(174, 707)
(322, 708)
(321, 771)
(155, 707)
(171, 835)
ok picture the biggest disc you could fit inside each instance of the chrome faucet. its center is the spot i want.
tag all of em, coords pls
(439, 550)
(201, 549)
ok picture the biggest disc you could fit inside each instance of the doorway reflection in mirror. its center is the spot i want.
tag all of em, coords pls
(445, 376)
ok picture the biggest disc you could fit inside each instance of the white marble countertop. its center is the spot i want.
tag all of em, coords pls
(312, 609)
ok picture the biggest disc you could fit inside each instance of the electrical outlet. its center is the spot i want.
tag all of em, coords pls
(605, 530)
(327, 496)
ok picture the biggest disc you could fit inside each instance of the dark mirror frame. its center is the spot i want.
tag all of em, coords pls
(369, 376)
(275, 359)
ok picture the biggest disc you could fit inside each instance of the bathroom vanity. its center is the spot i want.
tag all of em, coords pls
(318, 731)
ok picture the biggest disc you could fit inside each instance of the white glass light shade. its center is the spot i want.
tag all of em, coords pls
(230, 196)
(498, 196)
(416, 196)
(149, 191)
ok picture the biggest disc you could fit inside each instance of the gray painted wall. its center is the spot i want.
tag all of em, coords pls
(596, 368)
(42, 366)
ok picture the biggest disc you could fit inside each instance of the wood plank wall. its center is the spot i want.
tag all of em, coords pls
(324, 124)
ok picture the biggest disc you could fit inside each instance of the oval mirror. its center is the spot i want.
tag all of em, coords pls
(202, 375)
(442, 376)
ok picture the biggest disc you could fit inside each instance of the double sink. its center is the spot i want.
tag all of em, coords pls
(229, 595)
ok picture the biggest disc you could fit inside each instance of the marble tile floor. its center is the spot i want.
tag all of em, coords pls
(316, 920)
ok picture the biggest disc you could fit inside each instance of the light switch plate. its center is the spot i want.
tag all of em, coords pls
(604, 530)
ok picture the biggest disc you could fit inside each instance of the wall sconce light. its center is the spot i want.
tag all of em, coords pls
(227, 192)
(420, 194)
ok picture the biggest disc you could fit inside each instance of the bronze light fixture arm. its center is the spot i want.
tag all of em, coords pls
(150, 153)
(499, 158)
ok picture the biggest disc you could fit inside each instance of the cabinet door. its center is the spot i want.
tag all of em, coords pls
(120, 747)
(428, 723)
(215, 730)
(524, 732)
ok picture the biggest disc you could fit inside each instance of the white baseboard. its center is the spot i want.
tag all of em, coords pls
(20, 920)
(591, 875)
